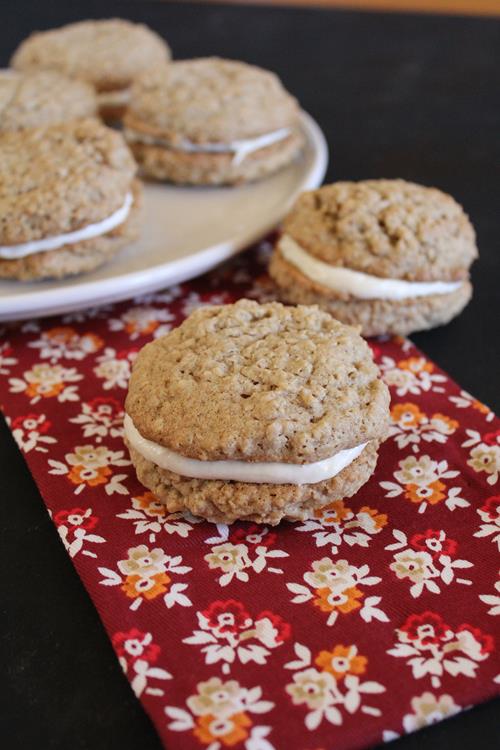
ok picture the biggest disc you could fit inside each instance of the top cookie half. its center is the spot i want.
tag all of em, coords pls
(108, 53)
(60, 178)
(258, 383)
(34, 99)
(210, 100)
(387, 228)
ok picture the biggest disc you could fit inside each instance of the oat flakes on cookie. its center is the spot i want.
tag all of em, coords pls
(388, 255)
(109, 54)
(255, 412)
(211, 121)
(45, 97)
(68, 199)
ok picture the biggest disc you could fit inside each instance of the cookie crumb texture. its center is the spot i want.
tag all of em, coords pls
(387, 228)
(41, 98)
(106, 53)
(258, 383)
(375, 316)
(225, 502)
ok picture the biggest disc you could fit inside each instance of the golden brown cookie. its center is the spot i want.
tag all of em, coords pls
(388, 255)
(32, 100)
(109, 54)
(255, 411)
(67, 199)
(212, 121)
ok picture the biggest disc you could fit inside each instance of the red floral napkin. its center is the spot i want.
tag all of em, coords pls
(372, 619)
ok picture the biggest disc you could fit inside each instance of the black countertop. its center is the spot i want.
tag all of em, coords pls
(397, 96)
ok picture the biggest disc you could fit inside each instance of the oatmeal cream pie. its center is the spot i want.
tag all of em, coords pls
(108, 54)
(67, 199)
(388, 255)
(211, 121)
(255, 412)
(45, 97)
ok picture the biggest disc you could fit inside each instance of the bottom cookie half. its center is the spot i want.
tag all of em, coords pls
(375, 316)
(225, 502)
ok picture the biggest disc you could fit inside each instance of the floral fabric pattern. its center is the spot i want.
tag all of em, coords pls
(376, 617)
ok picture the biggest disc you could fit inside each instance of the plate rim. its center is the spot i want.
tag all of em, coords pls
(97, 292)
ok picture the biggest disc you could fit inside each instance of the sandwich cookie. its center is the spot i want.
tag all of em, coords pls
(388, 255)
(255, 412)
(68, 199)
(211, 122)
(31, 100)
(109, 54)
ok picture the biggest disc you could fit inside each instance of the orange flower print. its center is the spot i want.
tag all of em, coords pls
(415, 364)
(151, 505)
(147, 588)
(407, 415)
(480, 407)
(342, 601)
(341, 660)
(229, 730)
(332, 513)
(88, 475)
(379, 519)
(431, 493)
(44, 390)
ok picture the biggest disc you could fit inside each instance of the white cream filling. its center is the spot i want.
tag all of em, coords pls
(257, 472)
(240, 148)
(355, 283)
(117, 98)
(12, 252)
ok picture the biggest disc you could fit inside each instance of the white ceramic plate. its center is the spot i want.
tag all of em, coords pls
(185, 232)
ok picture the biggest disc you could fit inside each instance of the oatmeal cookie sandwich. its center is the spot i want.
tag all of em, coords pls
(255, 412)
(388, 255)
(108, 54)
(68, 199)
(211, 122)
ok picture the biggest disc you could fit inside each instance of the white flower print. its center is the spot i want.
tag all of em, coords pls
(429, 709)
(414, 375)
(492, 600)
(228, 633)
(436, 649)
(99, 418)
(332, 689)
(466, 401)
(420, 482)
(47, 381)
(336, 590)
(218, 715)
(65, 342)
(336, 524)
(114, 368)
(90, 466)
(427, 562)
(489, 513)
(147, 574)
(193, 301)
(151, 516)
(237, 560)
(29, 432)
(410, 426)
(73, 527)
(483, 457)
(142, 321)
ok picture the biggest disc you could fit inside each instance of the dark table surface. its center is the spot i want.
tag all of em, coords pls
(397, 96)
